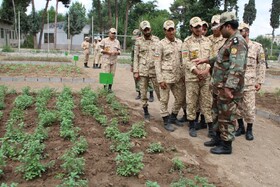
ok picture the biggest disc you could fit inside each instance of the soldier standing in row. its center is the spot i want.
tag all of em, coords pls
(110, 48)
(144, 65)
(227, 83)
(97, 54)
(168, 61)
(85, 46)
(197, 77)
(254, 78)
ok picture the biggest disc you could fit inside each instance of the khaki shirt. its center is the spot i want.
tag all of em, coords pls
(144, 51)
(193, 48)
(168, 61)
(97, 48)
(217, 43)
(255, 69)
(85, 46)
(108, 45)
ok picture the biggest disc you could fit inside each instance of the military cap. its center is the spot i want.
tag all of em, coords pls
(225, 17)
(136, 32)
(215, 19)
(86, 38)
(243, 26)
(205, 23)
(145, 24)
(168, 24)
(113, 30)
(195, 21)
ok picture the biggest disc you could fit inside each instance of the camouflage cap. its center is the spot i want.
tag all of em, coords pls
(168, 24)
(136, 32)
(243, 26)
(215, 19)
(225, 17)
(195, 21)
(86, 38)
(205, 23)
(145, 24)
(113, 30)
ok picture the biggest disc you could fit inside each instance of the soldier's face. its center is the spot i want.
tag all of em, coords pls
(147, 32)
(224, 31)
(112, 35)
(216, 31)
(170, 34)
(197, 31)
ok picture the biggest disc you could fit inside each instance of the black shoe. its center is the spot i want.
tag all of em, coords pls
(215, 140)
(138, 96)
(86, 66)
(192, 131)
(183, 119)
(173, 120)
(249, 135)
(151, 98)
(146, 114)
(224, 148)
(240, 130)
(167, 125)
(200, 125)
(211, 132)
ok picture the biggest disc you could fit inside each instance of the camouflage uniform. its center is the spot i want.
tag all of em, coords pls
(97, 54)
(197, 91)
(86, 47)
(228, 72)
(216, 44)
(169, 69)
(144, 65)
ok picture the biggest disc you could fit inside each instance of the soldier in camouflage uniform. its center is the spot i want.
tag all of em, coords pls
(85, 46)
(110, 48)
(227, 83)
(254, 78)
(136, 34)
(169, 74)
(144, 65)
(197, 77)
(97, 55)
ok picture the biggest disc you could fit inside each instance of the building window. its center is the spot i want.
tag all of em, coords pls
(2, 33)
(51, 37)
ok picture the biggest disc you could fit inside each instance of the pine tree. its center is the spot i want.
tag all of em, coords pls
(250, 12)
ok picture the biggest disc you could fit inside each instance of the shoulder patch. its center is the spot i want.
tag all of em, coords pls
(233, 51)
(235, 40)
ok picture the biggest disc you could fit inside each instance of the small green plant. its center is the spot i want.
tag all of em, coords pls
(6, 185)
(261, 93)
(138, 130)
(197, 182)
(178, 164)
(155, 147)
(7, 48)
(72, 163)
(80, 146)
(152, 184)
(74, 181)
(277, 92)
(121, 143)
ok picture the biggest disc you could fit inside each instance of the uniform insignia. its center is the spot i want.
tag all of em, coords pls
(262, 56)
(185, 54)
(235, 40)
(194, 54)
(233, 51)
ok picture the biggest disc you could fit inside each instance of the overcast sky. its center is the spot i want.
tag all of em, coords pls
(260, 26)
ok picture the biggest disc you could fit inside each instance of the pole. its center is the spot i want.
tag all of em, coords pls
(48, 32)
(68, 33)
(92, 33)
(18, 30)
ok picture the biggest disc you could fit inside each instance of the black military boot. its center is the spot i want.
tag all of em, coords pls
(192, 131)
(85, 65)
(151, 98)
(183, 119)
(138, 96)
(215, 140)
(202, 124)
(99, 67)
(146, 113)
(224, 148)
(167, 125)
(110, 88)
(211, 132)
(241, 129)
(249, 132)
(173, 120)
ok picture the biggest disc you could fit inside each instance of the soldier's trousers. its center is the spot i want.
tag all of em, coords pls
(97, 58)
(137, 87)
(198, 95)
(176, 89)
(224, 112)
(143, 85)
(108, 67)
(247, 106)
(86, 57)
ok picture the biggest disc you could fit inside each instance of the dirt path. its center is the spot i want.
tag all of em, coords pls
(255, 163)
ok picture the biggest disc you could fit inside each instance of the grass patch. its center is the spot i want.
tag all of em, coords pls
(34, 58)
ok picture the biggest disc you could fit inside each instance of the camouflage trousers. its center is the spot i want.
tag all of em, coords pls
(97, 59)
(224, 112)
(198, 96)
(86, 57)
(246, 107)
(176, 89)
(143, 85)
(108, 67)
(137, 87)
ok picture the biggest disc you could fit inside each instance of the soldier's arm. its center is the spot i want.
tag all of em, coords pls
(158, 64)
(260, 71)
(188, 64)
(237, 64)
(136, 57)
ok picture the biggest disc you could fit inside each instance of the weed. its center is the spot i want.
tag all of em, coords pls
(73, 163)
(121, 143)
(155, 148)
(152, 184)
(6, 185)
(261, 93)
(80, 146)
(177, 164)
(138, 130)
(197, 182)
(7, 48)
(74, 181)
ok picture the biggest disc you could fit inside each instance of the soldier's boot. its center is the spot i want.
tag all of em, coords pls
(211, 132)
(151, 98)
(202, 124)
(225, 147)
(192, 131)
(168, 126)
(249, 132)
(138, 96)
(85, 65)
(173, 120)
(241, 128)
(183, 119)
(99, 66)
(110, 88)
(146, 113)
(215, 141)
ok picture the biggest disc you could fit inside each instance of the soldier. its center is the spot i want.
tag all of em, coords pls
(110, 48)
(136, 34)
(97, 54)
(169, 74)
(205, 27)
(227, 83)
(254, 78)
(144, 65)
(197, 78)
(85, 46)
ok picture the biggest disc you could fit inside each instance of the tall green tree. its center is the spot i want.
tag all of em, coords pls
(250, 12)
(77, 17)
(274, 19)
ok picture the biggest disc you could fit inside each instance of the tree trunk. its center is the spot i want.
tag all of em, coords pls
(35, 44)
(99, 16)
(271, 48)
(117, 14)
(109, 13)
(55, 24)
(126, 23)
(15, 16)
(43, 21)
(225, 5)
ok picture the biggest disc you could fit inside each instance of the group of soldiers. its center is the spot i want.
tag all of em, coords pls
(216, 76)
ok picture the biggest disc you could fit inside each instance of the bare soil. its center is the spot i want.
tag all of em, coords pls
(269, 102)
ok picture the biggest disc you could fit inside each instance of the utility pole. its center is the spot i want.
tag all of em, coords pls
(68, 33)
(18, 31)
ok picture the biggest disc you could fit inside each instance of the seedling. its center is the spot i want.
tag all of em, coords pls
(155, 148)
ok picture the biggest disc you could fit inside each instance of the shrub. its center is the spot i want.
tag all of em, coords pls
(7, 48)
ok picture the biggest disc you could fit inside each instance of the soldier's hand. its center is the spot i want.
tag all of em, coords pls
(258, 87)
(200, 60)
(136, 75)
(163, 85)
(228, 93)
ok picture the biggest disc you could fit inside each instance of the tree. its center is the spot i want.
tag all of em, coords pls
(77, 17)
(43, 22)
(250, 12)
(34, 24)
(274, 19)
(57, 18)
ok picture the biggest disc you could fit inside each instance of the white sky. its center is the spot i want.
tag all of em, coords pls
(260, 25)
